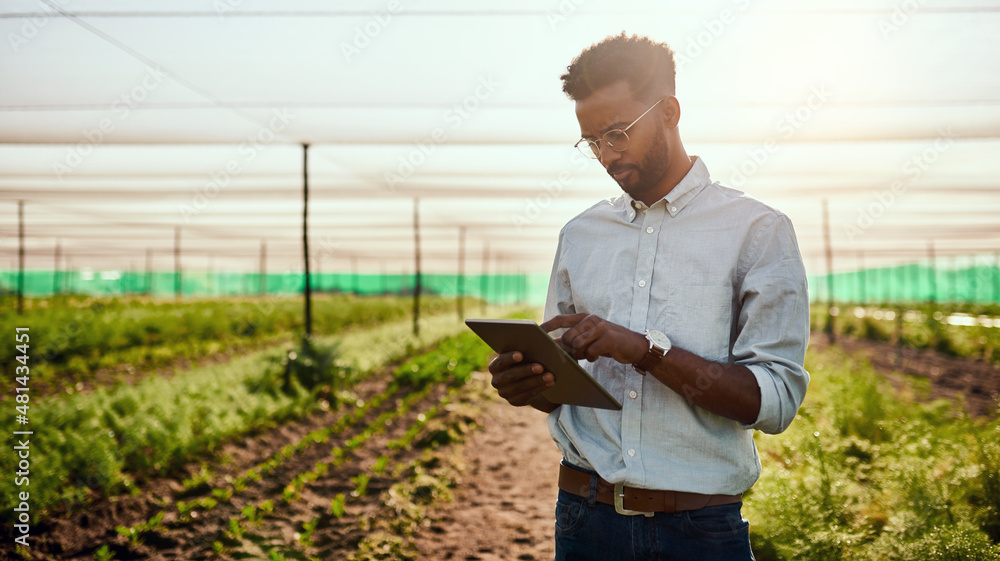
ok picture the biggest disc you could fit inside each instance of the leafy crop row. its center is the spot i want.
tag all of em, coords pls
(866, 473)
(102, 442)
(449, 365)
(74, 338)
(922, 326)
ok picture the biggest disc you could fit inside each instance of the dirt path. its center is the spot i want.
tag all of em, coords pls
(504, 506)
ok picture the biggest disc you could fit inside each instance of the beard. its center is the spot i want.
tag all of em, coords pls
(649, 173)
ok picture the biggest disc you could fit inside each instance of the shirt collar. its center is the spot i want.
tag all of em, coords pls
(678, 197)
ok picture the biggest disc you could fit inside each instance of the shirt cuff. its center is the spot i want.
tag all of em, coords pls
(769, 417)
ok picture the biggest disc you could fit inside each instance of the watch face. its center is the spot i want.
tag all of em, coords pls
(659, 339)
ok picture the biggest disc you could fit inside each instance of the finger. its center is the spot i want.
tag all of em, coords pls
(568, 320)
(515, 374)
(582, 327)
(522, 392)
(504, 361)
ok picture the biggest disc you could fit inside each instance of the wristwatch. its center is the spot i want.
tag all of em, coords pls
(659, 345)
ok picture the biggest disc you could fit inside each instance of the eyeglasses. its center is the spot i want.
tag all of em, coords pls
(615, 139)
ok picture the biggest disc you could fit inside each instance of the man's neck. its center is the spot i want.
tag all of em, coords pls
(674, 175)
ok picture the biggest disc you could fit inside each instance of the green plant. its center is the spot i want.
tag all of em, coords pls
(360, 484)
(104, 553)
(337, 505)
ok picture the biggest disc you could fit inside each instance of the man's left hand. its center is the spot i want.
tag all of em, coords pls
(590, 337)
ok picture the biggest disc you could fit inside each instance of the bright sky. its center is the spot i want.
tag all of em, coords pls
(890, 110)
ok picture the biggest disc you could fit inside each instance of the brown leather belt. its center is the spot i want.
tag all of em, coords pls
(630, 500)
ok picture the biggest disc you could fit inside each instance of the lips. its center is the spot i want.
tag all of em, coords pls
(620, 173)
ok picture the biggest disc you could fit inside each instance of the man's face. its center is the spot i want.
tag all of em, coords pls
(641, 167)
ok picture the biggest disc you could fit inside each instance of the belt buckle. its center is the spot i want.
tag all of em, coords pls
(620, 501)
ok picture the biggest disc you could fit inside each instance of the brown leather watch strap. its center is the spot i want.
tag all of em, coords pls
(648, 361)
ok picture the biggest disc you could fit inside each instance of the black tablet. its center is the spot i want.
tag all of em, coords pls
(574, 386)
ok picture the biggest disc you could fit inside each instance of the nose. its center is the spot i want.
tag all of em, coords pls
(609, 157)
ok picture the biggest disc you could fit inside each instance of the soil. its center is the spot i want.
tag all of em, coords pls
(975, 382)
(503, 477)
(504, 508)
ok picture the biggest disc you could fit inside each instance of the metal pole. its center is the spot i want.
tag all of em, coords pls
(305, 235)
(829, 270)
(20, 257)
(416, 255)
(461, 272)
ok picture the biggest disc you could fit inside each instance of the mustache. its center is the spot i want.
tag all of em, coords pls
(615, 169)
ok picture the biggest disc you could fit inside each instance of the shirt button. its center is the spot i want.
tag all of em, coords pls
(649, 229)
(642, 284)
(633, 395)
(631, 452)
(631, 215)
(673, 209)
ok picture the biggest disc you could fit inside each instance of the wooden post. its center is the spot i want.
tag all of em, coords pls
(305, 236)
(416, 255)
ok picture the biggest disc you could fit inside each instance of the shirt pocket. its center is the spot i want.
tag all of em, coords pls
(702, 319)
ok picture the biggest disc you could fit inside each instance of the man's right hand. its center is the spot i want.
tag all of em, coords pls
(521, 383)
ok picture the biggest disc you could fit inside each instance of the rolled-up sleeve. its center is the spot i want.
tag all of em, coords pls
(772, 330)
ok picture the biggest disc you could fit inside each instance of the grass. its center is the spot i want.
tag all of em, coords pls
(73, 337)
(866, 473)
(921, 326)
(107, 441)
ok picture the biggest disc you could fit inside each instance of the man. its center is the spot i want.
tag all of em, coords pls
(689, 301)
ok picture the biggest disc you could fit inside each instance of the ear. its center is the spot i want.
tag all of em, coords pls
(671, 112)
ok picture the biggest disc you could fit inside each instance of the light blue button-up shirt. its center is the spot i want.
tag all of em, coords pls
(718, 272)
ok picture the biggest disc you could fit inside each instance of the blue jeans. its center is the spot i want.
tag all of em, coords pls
(595, 531)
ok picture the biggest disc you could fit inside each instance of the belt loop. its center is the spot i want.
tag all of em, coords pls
(592, 499)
